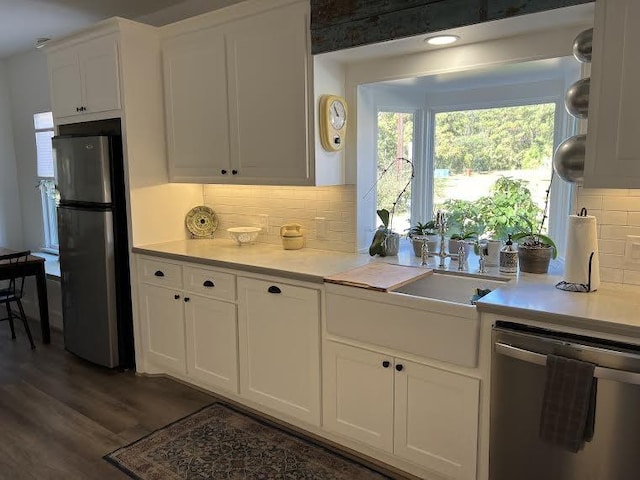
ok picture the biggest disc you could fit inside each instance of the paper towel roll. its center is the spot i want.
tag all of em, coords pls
(582, 239)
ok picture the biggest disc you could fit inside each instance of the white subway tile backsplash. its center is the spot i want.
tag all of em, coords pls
(617, 213)
(240, 205)
(590, 202)
(625, 204)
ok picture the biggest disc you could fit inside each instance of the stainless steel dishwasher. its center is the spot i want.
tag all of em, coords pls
(517, 387)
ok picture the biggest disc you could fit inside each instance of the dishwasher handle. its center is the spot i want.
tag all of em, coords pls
(621, 376)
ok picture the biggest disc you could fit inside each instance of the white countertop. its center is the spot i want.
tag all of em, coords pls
(613, 308)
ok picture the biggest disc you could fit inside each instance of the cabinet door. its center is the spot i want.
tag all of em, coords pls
(268, 57)
(358, 394)
(98, 60)
(66, 83)
(163, 320)
(195, 74)
(280, 347)
(212, 339)
(436, 419)
(613, 156)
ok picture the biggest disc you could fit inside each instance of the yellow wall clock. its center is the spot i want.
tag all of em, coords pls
(333, 122)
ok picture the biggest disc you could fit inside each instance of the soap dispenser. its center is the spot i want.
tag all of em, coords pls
(508, 258)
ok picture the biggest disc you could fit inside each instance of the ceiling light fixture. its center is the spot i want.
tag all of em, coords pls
(442, 39)
(41, 42)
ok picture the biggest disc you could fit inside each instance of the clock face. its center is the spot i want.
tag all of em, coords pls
(337, 115)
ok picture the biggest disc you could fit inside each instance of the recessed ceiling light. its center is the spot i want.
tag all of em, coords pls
(41, 42)
(442, 39)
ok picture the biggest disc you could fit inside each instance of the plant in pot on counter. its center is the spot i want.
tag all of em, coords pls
(467, 236)
(535, 250)
(417, 233)
(385, 241)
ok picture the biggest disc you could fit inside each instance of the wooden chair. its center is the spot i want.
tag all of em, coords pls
(12, 290)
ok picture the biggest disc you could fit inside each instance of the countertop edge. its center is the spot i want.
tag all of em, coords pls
(559, 319)
(231, 265)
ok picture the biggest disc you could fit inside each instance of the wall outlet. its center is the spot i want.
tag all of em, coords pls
(632, 249)
(321, 227)
(263, 218)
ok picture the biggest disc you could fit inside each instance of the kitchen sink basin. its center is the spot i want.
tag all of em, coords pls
(451, 287)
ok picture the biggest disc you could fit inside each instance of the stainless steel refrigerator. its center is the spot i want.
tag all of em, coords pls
(94, 260)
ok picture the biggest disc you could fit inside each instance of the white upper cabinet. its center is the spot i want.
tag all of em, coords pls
(613, 153)
(197, 107)
(237, 96)
(268, 87)
(85, 77)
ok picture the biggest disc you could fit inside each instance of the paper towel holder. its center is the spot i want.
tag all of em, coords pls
(578, 287)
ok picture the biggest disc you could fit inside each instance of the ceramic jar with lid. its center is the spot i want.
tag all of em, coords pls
(291, 235)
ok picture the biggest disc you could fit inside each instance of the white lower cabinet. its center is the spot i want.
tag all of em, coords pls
(189, 322)
(212, 345)
(422, 414)
(279, 338)
(163, 319)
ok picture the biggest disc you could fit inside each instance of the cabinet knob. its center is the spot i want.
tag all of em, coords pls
(223, 172)
(234, 172)
(77, 109)
(159, 273)
(274, 289)
(176, 296)
(208, 284)
(386, 364)
(186, 299)
(399, 367)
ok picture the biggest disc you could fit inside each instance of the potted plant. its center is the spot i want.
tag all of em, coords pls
(385, 241)
(417, 233)
(466, 236)
(535, 250)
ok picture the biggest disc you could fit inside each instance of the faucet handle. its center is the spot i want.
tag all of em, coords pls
(462, 255)
(424, 252)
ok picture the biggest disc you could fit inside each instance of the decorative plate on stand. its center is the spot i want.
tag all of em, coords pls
(201, 222)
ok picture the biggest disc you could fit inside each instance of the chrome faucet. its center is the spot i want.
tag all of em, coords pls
(441, 223)
(462, 256)
(483, 253)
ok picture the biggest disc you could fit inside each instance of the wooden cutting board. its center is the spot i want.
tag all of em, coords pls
(379, 276)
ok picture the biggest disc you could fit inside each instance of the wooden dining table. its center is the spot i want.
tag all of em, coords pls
(34, 266)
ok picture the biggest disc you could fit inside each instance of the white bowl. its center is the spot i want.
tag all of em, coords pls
(244, 235)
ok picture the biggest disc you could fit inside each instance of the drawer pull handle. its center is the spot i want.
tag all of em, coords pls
(399, 367)
(159, 273)
(176, 296)
(386, 364)
(208, 284)
(274, 289)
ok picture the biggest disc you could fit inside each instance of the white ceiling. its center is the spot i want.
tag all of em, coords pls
(23, 21)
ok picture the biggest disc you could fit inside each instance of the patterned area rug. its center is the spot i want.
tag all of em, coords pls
(219, 442)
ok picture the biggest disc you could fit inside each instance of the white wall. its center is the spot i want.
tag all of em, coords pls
(29, 87)
(10, 211)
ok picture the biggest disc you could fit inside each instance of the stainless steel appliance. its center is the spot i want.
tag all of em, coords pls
(517, 386)
(94, 262)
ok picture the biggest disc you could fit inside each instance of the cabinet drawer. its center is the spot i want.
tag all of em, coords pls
(160, 273)
(210, 283)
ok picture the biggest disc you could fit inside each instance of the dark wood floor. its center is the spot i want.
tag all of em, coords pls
(59, 415)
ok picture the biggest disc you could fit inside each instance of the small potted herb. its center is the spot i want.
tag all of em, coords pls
(417, 233)
(466, 236)
(535, 250)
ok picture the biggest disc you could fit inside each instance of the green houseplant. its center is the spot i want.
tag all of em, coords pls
(535, 250)
(385, 242)
(467, 236)
(420, 230)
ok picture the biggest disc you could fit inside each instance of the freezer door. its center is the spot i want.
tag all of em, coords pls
(82, 169)
(88, 278)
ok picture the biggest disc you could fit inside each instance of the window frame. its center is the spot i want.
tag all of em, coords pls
(531, 93)
(48, 203)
